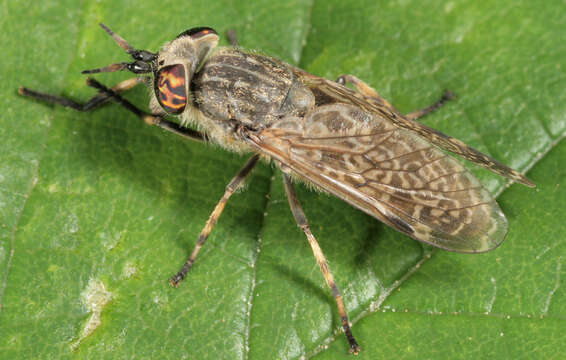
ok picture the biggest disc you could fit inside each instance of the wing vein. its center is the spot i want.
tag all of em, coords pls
(346, 136)
(414, 201)
(445, 175)
(402, 155)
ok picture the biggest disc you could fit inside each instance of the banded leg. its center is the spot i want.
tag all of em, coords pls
(107, 94)
(92, 104)
(368, 91)
(303, 223)
(232, 186)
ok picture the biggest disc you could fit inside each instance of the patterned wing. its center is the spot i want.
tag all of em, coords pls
(388, 172)
(329, 91)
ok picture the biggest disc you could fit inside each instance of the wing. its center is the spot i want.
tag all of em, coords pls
(330, 91)
(388, 172)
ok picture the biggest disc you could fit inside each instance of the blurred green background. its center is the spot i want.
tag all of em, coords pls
(98, 210)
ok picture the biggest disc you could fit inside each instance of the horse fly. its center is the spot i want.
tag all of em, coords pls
(352, 144)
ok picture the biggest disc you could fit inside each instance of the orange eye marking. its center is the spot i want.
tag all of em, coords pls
(173, 79)
(170, 89)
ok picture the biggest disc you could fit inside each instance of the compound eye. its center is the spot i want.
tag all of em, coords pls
(198, 32)
(170, 88)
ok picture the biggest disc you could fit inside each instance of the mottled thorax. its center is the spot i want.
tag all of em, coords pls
(252, 89)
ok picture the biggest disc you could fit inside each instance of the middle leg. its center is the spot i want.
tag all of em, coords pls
(232, 186)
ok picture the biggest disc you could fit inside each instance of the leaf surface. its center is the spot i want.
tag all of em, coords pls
(98, 210)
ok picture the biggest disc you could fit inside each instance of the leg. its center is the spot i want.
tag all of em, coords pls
(361, 86)
(303, 223)
(92, 104)
(232, 37)
(368, 91)
(415, 115)
(234, 184)
(105, 95)
(149, 119)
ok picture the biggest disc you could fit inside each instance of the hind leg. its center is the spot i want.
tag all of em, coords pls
(368, 91)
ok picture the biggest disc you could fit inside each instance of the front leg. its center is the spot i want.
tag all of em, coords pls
(107, 94)
(93, 103)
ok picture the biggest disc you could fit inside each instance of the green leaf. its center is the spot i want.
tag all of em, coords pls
(98, 210)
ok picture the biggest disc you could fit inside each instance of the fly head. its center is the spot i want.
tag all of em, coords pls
(177, 62)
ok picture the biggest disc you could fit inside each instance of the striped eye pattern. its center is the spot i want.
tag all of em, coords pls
(170, 88)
